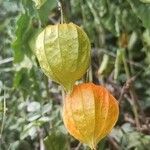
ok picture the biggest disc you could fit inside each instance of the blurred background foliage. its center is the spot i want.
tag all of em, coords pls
(30, 104)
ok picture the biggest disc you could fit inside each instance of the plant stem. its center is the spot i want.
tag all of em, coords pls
(63, 95)
(4, 114)
(134, 104)
(126, 66)
(61, 12)
(47, 87)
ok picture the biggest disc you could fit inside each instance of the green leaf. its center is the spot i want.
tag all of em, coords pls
(142, 10)
(1, 108)
(45, 10)
(146, 37)
(33, 106)
(145, 1)
(118, 63)
(39, 3)
(106, 66)
(29, 130)
(20, 78)
(110, 19)
(56, 141)
(23, 33)
(129, 138)
(22, 23)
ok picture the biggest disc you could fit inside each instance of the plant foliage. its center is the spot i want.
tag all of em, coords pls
(30, 111)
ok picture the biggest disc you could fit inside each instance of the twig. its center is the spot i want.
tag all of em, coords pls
(114, 143)
(41, 139)
(7, 60)
(63, 95)
(4, 114)
(132, 93)
(47, 87)
(102, 50)
(129, 119)
(61, 11)
(78, 146)
(126, 87)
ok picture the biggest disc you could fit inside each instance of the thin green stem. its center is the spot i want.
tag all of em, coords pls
(126, 66)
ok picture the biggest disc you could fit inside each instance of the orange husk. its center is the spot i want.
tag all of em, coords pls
(89, 113)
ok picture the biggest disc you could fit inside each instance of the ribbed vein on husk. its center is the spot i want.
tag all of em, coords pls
(68, 63)
(82, 34)
(62, 62)
(45, 54)
(114, 104)
(98, 110)
(47, 59)
(76, 122)
(85, 120)
(105, 97)
(67, 116)
(91, 86)
(84, 114)
(77, 48)
(59, 46)
(39, 50)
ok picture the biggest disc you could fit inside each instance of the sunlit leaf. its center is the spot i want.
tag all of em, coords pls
(118, 63)
(33, 106)
(106, 66)
(39, 3)
(145, 1)
(146, 37)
